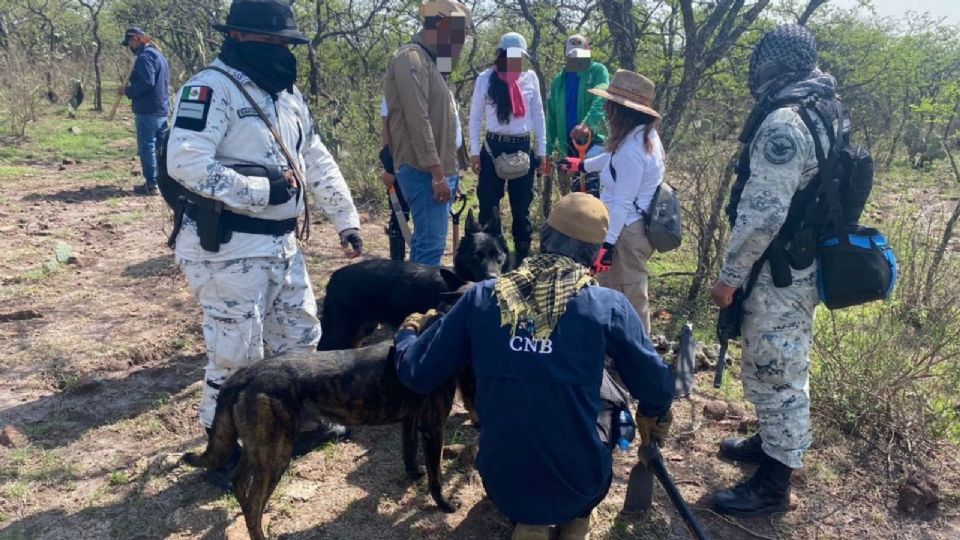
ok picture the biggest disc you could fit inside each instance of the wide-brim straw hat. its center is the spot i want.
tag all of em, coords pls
(631, 90)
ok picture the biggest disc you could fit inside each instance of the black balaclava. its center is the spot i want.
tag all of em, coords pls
(784, 55)
(271, 66)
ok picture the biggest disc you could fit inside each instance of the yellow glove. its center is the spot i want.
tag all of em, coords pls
(654, 428)
(418, 322)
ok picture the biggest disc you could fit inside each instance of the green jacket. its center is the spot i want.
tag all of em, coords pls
(557, 134)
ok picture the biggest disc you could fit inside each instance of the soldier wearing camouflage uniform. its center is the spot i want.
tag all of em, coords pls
(779, 161)
(254, 290)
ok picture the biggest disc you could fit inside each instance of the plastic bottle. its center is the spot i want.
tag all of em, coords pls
(626, 429)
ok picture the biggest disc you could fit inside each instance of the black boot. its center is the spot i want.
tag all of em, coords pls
(325, 432)
(222, 477)
(742, 450)
(767, 492)
(521, 250)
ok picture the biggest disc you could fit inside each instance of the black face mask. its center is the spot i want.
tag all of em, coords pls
(271, 66)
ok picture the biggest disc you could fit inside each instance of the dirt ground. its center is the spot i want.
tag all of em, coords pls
(99, 382)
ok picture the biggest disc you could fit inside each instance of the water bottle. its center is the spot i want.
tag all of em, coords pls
(627, 430)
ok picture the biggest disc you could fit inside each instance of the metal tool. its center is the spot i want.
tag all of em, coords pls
(455, 217)
(582, 148)
(640, 489)
(398, 213)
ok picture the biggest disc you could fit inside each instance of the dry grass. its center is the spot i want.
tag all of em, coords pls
(105, 386)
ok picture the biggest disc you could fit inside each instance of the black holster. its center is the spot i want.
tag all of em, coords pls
(779, 265)
(210, 229)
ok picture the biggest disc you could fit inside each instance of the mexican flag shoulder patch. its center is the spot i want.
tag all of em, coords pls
(194, 107)
(200, 94)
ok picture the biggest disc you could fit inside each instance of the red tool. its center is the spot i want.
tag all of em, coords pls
(582, 148)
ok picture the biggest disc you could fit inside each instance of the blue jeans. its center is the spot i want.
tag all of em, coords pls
(430, 218)
(149, 130)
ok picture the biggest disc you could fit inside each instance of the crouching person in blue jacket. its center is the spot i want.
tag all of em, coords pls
(537, 337)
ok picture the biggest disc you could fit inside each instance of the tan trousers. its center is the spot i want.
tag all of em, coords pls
(629, 271)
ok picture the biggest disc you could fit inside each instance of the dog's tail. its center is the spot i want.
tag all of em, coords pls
(223, 437)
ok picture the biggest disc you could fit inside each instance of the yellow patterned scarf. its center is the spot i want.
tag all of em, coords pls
(535, 296)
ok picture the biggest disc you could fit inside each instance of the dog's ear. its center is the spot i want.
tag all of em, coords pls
(450, 298)
(493, 226)
(453, 281)
(472, 226)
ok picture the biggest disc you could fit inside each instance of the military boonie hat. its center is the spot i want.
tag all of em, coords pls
(581, 216)
(267, 17)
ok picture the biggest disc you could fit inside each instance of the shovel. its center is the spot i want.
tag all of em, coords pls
(581, 148)
(640, 489)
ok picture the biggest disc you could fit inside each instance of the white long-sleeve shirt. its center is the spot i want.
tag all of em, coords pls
(483, 113)
(638, 175)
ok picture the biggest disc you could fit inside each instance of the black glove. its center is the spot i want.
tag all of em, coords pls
(606, 258)
(280, 191)
(386, 159)
(351, 237)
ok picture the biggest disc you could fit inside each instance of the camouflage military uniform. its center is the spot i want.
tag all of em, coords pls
(778, 322)
(254, 291)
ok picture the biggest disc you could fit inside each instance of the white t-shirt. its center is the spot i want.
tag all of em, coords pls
(483, 113)
(384, 112)
(638, 175)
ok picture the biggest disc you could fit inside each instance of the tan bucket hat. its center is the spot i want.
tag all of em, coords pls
(630, 90)
(581, 216)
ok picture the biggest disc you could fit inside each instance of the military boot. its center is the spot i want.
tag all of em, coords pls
(767, 492)
(521, 250)
(743, 450)
(576, 529)
(530, 532)
(222, 477)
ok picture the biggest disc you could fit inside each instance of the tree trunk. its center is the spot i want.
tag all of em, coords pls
(98, 90)
(624, 31)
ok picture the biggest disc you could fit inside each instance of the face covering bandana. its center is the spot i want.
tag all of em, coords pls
(784, 55)
(272, 67)
(517, 106)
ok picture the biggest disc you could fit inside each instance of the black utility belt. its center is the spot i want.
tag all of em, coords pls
(508, 139)
(233, 222)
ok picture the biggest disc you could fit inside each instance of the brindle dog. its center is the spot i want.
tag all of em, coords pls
(264, 405)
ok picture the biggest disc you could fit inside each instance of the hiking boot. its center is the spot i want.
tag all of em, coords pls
(766, 492)
(576, 529)
(146, 189)
(326, 432)
(742, 450)
(222, 477)
(530, 532)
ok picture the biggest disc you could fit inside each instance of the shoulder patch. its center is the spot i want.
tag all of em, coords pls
(247, 111)
(194, 106)
(780, 148)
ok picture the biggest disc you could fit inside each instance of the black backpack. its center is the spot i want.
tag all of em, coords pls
(856, 264)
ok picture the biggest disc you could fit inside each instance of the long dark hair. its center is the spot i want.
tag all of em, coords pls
(497, 92)
(622, 120)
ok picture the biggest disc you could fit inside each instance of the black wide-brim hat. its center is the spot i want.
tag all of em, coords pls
(268, 17)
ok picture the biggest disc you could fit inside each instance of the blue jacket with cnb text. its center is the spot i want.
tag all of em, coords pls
(540, 457)
(149, 83)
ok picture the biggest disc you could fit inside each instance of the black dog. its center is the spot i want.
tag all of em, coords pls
(377, 291)
(265, 404)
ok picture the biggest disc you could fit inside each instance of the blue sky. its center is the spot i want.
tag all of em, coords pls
(950, 9)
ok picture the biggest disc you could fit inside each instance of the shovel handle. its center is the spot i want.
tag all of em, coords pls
(659, 468)
(581, 149)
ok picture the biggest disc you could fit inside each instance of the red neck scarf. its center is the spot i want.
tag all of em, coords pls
(512, 78)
